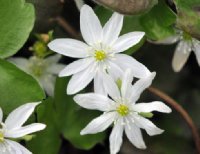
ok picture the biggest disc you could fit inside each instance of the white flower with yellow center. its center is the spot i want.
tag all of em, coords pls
(102, 53)
(120, 108)
(186, 44)
(12, 129)
(43, 70)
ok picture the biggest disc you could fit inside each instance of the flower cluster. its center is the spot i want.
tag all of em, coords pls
(101, 60)
(12, 129)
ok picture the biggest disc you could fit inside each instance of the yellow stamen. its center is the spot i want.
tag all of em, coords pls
(100, 55)
(123, 110)
(1, 137)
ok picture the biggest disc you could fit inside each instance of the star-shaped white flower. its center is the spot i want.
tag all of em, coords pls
(43, 70)
(102, 53)
(186, 44)
(120, 108)
(12, 129)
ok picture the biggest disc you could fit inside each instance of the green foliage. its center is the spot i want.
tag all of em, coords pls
(188, 16)
(17, 87)
(47, 141)
(72, 119)
(158, 23)
(16, 20)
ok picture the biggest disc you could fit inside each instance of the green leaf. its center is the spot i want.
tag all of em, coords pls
(158, 23)
(73, 119)
(47, 141)
(16, 20)
(17, 87)
(188, 16)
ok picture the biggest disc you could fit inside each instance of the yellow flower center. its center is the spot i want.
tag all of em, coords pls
(1, 137)
(100, 55)
(123, 110)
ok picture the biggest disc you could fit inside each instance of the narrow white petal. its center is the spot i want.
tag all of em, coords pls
(168, 40)
(55, 68)
(90, 25)
(98, 86)
(197, 50)
(94, 101)
(1, 115)
(22, 131)
(153, 106)
(53, 59)
(128, 40)
(81, 80)
(115, 71)
(138, 69)
(140, 86)
(111, 87)
(76, 67)
(146, 124)
(20, 62)
(19, 116)
(99, 124)
(16, 148)
(135, 136)
(127, 84)
(69, 47)
(79, 3)
(181, 55)
(116, 138)
(48, 83)
(112, 28)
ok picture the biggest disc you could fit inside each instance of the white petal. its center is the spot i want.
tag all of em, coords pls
(69, 47)
(135, 136)
(127, 84)
(153, 106)
(168, 40)
(76, 67)
(48, 83)
(22, 131)
(98, 86)
(17, 148)
(55, 68)
(81, 80)
(19, 116)
(146, 124)
(112, 28)
(99, 124)
(90, 25)
(1, 115)
(79, 3)
(116, 138)
(181, 55)
(22, 63)
(111, 87)
(197, 50)
(138, 69)
(126, 41)
(115, 71)
(53, 59)
(94, 101)
(140, 86)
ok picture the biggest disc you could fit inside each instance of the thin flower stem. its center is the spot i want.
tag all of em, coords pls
(182, 112)
(67, 27)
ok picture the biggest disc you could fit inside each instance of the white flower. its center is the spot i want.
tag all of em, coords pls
(12, 128)
(185, 46)
(121, 109)
(101, 53)
(43, 70)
